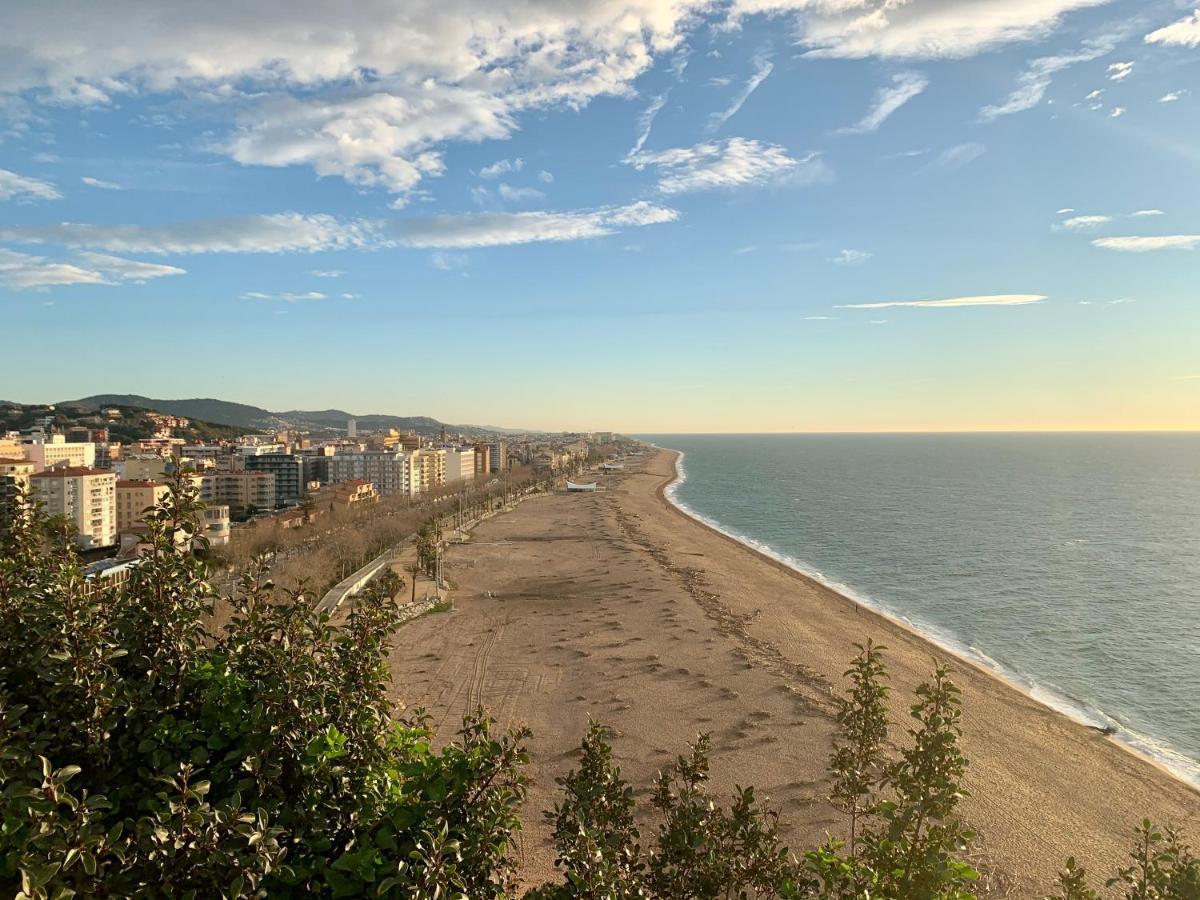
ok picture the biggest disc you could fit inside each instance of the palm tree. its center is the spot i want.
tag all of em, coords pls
(413, 569)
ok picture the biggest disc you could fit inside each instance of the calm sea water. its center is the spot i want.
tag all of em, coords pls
(1069, 563)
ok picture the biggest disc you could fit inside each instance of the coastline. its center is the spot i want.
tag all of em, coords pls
(1186, 772)
(616, 607)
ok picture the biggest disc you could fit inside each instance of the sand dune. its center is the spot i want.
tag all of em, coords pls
(616, 606)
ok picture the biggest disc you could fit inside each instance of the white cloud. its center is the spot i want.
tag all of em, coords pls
(917, 29)
(1117, 112)
(368, 92)
(957, 156)
(519, 194)
(23, 270)
(762, 68)
(545, 177)
(992, 300)
(1065, 210)
(458, 232)
(1184, 33)
(276, 233)
(735, 162)
(1095, 95)
(327, 273)
(646, 122)
(1085, 223)
(1172, 97)
(1135, 244)
(285, 296)
(904, 86)
(820, 318)
(448, 262)
(23, 187)
(851, 257)
(1147, 212)
(1033, 83)
(502, 167)
(102, 185)
(1119, 71)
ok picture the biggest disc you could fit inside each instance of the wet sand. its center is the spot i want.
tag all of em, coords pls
(618, 607)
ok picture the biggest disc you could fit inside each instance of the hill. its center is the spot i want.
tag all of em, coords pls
(241, 415)
(130, 422)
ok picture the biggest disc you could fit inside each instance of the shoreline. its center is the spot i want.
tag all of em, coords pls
(1187, 774)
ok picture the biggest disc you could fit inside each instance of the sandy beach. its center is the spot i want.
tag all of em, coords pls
(618, 607)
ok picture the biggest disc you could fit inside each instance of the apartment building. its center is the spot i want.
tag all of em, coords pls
(391, 471)
(53, 450)
(287, 469)
(483, 459)
(14, 487)
(86, 497)
(346, 495)
(242, 492)
(460, 464)
(497, 456)
(134, 498)
(214, 525)
(429, 469)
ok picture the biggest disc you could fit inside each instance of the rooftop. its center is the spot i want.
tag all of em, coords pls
(71, 472)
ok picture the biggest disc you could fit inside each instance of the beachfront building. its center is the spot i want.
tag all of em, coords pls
(133, 499)
(391, 471)
(352, 494)
(14, 488)
(483, 458)
(85, 497)
(288, 471)
(429, 469)
(460, 464)
(498, 456)
(53, 450)
(242, 492)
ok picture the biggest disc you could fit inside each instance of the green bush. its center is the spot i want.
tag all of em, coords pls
(141, 755)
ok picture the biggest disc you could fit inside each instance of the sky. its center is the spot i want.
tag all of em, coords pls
(637, 215)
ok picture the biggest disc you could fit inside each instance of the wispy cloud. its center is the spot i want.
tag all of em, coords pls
(851, 257)
(1172, 96)
(1144, 244)
(1117, 112)
(448, 262)
(988, 300)
(904, 86)
(731, 163)
(957, 156)
(23, 270)
(456, 232)
(519, 194)
(762, 68)
(502, 167)
(646, 122)
(1084, 223)
(1147, 212)
(1119, 71)
(102, 185)
(327, 273)
(275, 233)
(286, 296)
(1033, 83)
(23, 187)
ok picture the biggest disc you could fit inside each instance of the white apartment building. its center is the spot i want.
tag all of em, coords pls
(392, 471)
(53, 450)
(460, 464)
(429, 468)
(214, 525)
(86, 497)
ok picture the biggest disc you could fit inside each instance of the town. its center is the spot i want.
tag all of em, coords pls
(72, 462)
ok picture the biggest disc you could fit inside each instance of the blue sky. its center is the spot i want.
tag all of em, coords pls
(644, 215)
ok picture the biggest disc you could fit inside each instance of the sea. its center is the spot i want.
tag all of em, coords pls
(1068, 564)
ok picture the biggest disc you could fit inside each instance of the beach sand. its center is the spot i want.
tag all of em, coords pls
(618, 607)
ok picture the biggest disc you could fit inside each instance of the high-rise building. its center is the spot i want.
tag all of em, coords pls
(86, 497)
(483, 459)
(351, 428)
(499, 456)
(429, 464)
(460, 464)
(287, 469)
(391, 471)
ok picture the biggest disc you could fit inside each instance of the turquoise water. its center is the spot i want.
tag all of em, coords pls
(1068, 563)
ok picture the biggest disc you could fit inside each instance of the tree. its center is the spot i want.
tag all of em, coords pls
(414, 571)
